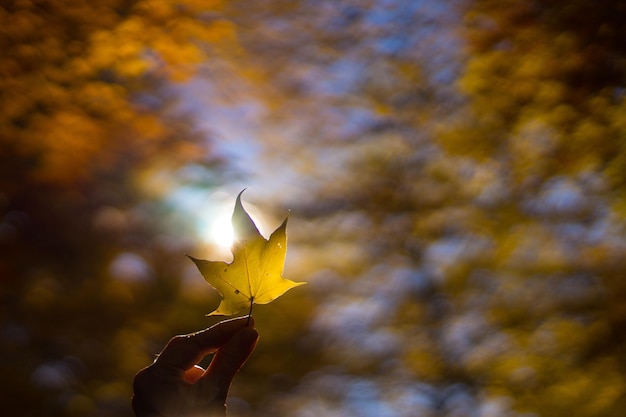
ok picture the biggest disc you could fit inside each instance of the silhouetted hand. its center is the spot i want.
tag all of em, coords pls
(174, 385)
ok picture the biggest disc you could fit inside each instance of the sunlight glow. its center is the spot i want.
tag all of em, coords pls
(222, 231)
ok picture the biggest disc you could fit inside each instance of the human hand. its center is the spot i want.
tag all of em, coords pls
(174, 385)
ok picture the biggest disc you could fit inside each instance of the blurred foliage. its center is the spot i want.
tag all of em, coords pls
(89, 276)
(456, 187)
(464, 241)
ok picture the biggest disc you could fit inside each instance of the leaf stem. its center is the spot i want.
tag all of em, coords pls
(250, 312)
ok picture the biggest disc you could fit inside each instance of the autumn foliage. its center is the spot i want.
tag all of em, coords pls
(454, 173)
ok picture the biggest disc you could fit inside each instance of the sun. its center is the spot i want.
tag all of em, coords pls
(221, 232)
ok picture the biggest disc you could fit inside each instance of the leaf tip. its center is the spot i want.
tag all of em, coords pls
(195, 261)
(243, 225)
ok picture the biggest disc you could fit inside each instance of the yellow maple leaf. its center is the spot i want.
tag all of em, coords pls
(255, 274)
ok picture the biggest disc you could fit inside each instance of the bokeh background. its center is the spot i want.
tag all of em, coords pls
(454, 172)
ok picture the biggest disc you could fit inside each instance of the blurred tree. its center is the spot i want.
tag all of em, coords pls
(545, 87)
(567, 94)
(459, 209)
(469, 207)
(89, 275)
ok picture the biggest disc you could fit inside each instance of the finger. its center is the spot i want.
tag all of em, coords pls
(227, 362)
(183, 352)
